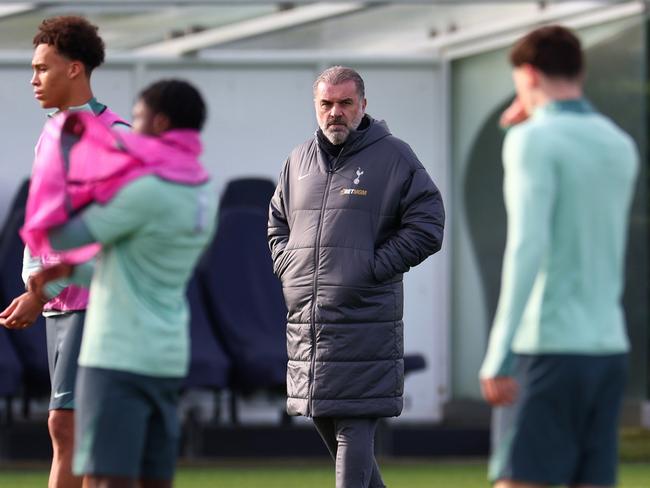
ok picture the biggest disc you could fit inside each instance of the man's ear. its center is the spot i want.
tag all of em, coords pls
(76, 69)
(363, 104)
(160, 123)
(532, 75)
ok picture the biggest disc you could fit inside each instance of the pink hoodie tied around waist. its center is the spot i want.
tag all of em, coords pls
(82, 161)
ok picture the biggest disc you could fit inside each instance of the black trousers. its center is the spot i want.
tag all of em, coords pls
(351, 442)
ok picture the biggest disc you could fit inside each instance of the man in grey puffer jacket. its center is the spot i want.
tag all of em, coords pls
(354, 209)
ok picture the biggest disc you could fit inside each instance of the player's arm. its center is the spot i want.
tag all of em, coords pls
(529, 193)
(106, 224)
(24, 309)
(278, 226)
(128, 212)
(513, 115)
(45, 284)
(31, 265)
(420, 234)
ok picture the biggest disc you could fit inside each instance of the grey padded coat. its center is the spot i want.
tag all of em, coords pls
(341, 235)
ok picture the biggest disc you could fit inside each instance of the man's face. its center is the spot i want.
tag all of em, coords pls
(52, 77)
(142, 122)
(338, 110)
(145, 121)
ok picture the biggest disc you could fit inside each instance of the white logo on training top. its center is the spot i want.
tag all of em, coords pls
(302, 177)
(60, 394)
(359, 173)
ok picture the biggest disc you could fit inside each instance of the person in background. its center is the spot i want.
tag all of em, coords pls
(66, 52)
(353, 211)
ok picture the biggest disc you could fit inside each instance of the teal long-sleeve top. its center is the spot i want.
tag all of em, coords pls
(569, 177)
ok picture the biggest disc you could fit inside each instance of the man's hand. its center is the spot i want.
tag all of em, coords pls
(37, 281)
(22, 311)
(514, 114)
(499, 391)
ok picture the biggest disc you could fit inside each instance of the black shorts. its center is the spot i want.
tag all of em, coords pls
(563, 427)
(64, 334)
(126, 424)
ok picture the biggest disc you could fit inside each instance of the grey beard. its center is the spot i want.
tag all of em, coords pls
(339, 137)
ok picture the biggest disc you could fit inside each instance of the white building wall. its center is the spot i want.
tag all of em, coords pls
(257, 112)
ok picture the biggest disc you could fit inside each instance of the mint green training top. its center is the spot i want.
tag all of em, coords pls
(569, 177)
(152, 234)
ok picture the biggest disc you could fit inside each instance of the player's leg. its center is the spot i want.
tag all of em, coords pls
(116, 482)
(156, 483)
(592, 486)
(327, 431)
(515, 484)
(351, 444)
(356, 465)
(64, 334)
(109, 482)
(60, 424)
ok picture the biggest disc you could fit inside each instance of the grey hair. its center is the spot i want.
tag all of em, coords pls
(336, 75)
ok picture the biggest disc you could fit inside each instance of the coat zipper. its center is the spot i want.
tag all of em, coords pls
(312, 370)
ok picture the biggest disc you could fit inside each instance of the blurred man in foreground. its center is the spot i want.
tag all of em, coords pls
(557, 350)
(153, 216)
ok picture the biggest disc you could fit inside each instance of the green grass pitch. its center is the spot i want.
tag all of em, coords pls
(420, 474)
(634, 472)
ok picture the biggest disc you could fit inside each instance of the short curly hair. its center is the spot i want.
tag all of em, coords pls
(179, 100)
(73, 37)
